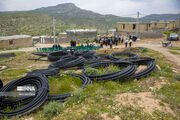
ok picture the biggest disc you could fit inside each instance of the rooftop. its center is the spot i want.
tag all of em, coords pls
(133, 22)
(82, 30)
(14, 37)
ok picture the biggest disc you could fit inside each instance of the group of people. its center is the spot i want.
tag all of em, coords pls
(105, 40)
(73, 43)
(56, 45)
(115, 40)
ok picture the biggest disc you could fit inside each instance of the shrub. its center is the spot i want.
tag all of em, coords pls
(111, 68)
(52, 109)
(77, 96)
(91, 71)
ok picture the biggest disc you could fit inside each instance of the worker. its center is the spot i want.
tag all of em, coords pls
(94, 43)
(82, 45)
(58, 45)
(1, 84)
(110, 44)
(130, 42)
(78, 44)
(101, 43)
(54, 46)
(126, 42)
(122, 39)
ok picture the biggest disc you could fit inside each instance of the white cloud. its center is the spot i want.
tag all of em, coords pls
(117, 7)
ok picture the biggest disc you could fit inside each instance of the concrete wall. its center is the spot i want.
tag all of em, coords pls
(146, 34)
(22, 42)
(151, 34)
(132, 27)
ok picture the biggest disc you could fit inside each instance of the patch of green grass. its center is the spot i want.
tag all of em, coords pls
(102, 70)
(52, 109)
(12, 74)
(177, 77)
(174, 52)
(171, 95)
(64, 84)
(174, 48)
(15, 48)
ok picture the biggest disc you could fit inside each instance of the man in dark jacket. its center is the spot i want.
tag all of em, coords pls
(1, 84)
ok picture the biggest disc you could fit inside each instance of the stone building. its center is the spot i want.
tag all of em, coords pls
(145, 30)
(15, 41)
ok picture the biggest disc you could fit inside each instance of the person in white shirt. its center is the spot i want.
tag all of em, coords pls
(130, 42)
(126, 42)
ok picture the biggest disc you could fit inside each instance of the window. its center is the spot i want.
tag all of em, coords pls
(123, 26)
(10, 42)
(134, 26)
(149, 25)
(155, 24)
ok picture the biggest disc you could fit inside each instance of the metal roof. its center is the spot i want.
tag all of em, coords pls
(14, 37)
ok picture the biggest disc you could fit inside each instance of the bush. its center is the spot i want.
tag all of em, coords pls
(91, 71)
(111, 68)
(77, 96)
(177, 77)
(52, 109)
(143, 50)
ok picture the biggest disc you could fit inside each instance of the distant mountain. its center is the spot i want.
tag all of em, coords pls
(70, 13)
(157, 17)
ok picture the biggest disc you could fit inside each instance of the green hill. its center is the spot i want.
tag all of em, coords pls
(30, 23)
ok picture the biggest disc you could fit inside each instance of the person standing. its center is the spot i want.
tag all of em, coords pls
(101, 43)
(1, 84)
(110, 44)
(126, 43)
(130, 42)
(122, 39)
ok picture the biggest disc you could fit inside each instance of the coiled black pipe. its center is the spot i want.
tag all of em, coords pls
(149, 62)
(46, 72)
(42, 54)
(54, 56)
(68, 62)
(42, 89)
(128, 71)
(130, 55)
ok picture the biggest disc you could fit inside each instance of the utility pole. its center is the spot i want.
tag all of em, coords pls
(137, 25)
(179, 25)
(54, 30)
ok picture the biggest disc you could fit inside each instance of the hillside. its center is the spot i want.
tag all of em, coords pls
(30, 23)
(157, 17)
(70, 13)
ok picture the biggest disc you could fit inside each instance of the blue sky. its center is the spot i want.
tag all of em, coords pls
(116, 7)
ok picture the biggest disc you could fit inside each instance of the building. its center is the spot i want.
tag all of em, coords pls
(15, 41)
(78, 34)
(62, 35)
(146, 30)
